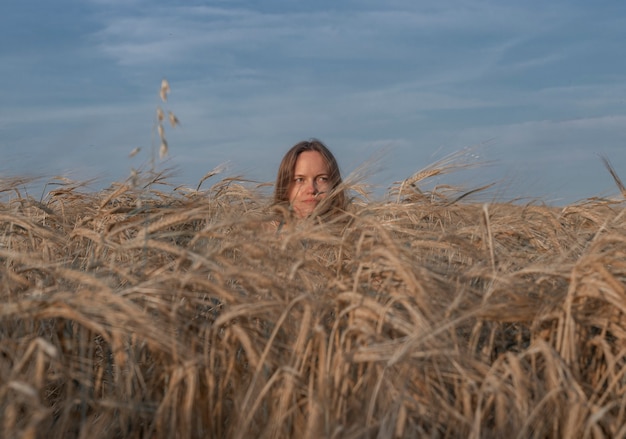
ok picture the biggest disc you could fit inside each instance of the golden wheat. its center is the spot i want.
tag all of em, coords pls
(134, 312)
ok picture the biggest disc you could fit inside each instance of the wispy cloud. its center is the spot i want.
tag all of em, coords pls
(171, 32)
(542, 142)
(544, 79)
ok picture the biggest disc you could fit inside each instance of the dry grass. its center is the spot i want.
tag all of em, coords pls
(147, 313)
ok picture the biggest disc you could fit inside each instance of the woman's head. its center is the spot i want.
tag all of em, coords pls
(309, 174)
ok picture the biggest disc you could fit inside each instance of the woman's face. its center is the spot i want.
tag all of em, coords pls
(310, 184)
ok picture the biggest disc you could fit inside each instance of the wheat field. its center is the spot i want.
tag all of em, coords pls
(148, 311)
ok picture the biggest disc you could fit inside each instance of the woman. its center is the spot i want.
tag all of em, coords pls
(309, 181)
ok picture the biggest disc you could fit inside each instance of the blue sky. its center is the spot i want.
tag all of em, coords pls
(537, 88)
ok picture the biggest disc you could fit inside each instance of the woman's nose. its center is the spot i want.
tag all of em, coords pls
(311, 187)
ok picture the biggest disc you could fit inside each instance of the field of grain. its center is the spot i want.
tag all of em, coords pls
(147, 311)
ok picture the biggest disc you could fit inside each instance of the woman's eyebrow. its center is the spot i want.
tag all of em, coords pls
(323, 174)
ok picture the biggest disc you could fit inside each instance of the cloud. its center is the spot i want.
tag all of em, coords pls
(171, 32)
(175, 33)
(407, 56)
(116, 3)
(548, 142)
(58, 113)
(249, 79)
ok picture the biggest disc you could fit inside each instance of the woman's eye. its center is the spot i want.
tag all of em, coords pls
(298, 179)
(322, 179)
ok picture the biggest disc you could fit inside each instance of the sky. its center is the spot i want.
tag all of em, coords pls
(533, 93)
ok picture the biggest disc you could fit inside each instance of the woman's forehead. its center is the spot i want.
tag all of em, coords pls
(310, 161)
